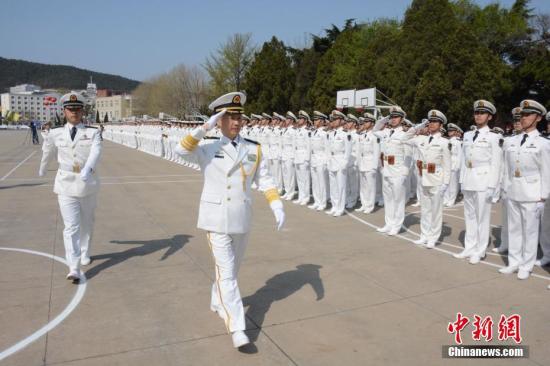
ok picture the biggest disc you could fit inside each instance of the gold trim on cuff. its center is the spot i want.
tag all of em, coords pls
(189, 143)
(272, 195)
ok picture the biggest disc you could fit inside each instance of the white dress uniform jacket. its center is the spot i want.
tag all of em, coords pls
(226, 200)
(481, 160)
(72, 157)
(527, 168)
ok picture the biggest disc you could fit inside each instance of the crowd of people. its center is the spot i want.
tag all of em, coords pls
(340, 162)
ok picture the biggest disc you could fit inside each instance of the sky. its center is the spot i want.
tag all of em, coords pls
(139, 39)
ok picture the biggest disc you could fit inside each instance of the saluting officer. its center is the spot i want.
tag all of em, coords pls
(527, 186)
(229, 165)
(78, 149)
(479, 178)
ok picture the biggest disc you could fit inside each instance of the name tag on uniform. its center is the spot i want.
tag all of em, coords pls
(218, 156)
(252, 157)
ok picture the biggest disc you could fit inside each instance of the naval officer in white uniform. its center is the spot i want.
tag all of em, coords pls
(229, 164)
(78, 149)
(526, 181)
(479, 178)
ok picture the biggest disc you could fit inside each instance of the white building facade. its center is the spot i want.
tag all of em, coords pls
(116, 107)
(31, 103)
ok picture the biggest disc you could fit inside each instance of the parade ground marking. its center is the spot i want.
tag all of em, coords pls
(436, 248)
(81, 290)
(18, 165)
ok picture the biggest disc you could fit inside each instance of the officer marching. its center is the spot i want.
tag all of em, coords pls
(526, 181)
(78, 150)
(229, 165)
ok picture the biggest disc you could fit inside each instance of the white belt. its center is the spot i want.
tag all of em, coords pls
(70, 168)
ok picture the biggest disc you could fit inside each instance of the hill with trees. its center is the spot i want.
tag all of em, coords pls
(14, 72)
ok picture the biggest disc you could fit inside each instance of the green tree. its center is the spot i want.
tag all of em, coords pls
(270, 79)
(228, 65)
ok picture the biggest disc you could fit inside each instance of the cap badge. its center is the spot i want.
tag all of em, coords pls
(72, 98)
(237, 99)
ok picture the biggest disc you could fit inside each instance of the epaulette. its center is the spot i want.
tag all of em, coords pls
(211, 138)
(91, 127)
(252, 141)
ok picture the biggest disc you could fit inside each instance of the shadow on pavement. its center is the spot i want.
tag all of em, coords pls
(145, 247)
(280, 287)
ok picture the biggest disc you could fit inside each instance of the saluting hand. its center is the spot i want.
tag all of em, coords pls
(213, 120)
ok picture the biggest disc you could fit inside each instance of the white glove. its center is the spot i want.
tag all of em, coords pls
(443, 189)
(278, 211)
(85, 174)
(490, 194)
(540, 208)
(41, 173)
(421, 125)
(213, 120)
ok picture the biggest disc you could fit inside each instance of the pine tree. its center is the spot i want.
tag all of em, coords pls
(270, 79)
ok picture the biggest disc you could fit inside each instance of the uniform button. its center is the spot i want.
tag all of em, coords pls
(228, 187)
(229, 198)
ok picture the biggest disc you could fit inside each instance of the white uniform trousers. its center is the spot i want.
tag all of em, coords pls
(452, 190)
(414, 184)
(523, 234)
(379, 192)
(431, 217)
(352, 193)
(228, 252)
(545, 232)
(367, 190)
(289, 177)
(319, 178)
(394, 191)
(276, 173)
(477, 215)
(338, 185)
(504, 240)
(303, 178)
(78, 217)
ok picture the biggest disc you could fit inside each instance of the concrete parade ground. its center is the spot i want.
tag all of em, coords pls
(324, 291)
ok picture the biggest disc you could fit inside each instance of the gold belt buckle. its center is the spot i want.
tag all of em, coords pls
(517, 173)
(76, 168)
(470, 164)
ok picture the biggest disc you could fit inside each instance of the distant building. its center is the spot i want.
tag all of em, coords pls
(116, 107)
(30, 102)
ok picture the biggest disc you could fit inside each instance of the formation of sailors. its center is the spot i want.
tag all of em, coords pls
(340, 162)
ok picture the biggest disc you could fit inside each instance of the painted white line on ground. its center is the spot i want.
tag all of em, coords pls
(141, 182)
(80, 291)
(436, 248)
(18, 165)
(119, 177)
(446, 214)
